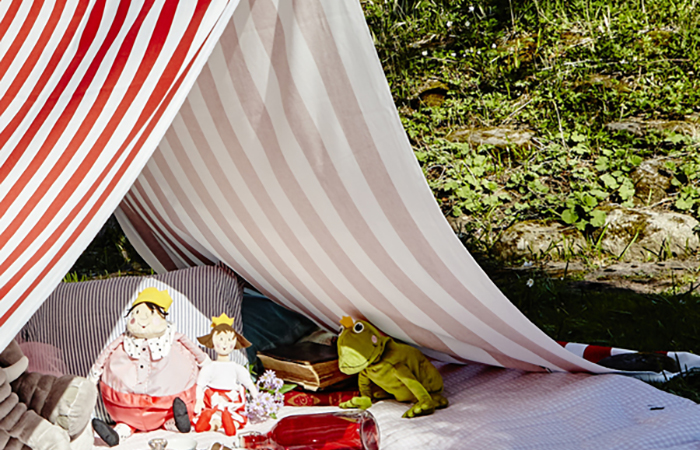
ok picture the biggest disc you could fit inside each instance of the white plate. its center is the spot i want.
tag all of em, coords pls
(181, 443)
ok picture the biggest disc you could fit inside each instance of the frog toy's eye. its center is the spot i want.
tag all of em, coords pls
(358, 328)
(341, 329)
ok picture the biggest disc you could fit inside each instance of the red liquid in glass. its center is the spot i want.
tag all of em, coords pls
(351, 430)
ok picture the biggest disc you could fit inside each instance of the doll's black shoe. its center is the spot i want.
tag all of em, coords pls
(107, 433)
(181, 416)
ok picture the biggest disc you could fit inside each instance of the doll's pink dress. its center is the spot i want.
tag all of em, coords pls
(140, 378)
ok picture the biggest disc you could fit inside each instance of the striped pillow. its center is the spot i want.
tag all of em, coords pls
(80, 319)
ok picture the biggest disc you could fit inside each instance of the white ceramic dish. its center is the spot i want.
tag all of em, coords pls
(181, 443)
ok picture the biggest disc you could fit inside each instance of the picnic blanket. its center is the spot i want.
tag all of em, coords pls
(507, 409)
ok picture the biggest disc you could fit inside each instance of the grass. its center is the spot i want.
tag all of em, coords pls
(109, 254)
(566, 73)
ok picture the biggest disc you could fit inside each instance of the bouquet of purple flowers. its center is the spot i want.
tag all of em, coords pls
(269, 399)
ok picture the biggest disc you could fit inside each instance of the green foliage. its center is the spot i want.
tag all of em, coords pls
(567, 71)
(73, 277)
(109, 254)
(687, 182)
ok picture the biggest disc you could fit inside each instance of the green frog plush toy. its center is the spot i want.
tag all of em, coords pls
(387, 369)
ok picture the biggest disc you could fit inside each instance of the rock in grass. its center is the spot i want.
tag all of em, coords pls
(652, 181)
(640, 127)
(535, 240)
(432, 93)
(500, 137)
(635, 234)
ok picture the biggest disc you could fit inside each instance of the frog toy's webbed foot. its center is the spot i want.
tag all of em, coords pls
(422, 407)
(440, 401)
(357, 402)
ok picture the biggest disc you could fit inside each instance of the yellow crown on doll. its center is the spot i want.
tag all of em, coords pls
(153, 295)
(222, 319)
(347, 322)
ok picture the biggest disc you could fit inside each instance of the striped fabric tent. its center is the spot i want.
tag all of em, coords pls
(260, 133)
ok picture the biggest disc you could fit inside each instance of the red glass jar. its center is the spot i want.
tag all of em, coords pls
(347, 430)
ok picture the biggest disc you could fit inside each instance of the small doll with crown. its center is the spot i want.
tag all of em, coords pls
(221, 395)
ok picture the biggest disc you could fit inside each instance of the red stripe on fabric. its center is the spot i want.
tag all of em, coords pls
(595, 353)
(20, 37)
(159, 35)
(9, 17)
(68, 242)
(148, 237)
(86, 40)
(67, 155)
(49, 69)
(33, 56)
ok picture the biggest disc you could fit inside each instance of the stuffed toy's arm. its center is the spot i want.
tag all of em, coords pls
(364, 401)
(364, 385)
(202, 382)
(96, 370)
(245, 379)
(202, 358)
(404, 374)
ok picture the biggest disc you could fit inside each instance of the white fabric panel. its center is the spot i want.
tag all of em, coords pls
(288, 162)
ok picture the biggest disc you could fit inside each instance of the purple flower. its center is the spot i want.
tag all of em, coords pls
(269, 400)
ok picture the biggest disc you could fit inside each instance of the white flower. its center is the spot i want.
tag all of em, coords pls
(449, 24)
(467, 23)
(530, 282)
(471, 9)
(425, 53)
(493, 45)
(527, 264)
(453, 54)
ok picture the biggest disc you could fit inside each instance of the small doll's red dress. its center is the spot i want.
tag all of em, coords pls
(223, 385)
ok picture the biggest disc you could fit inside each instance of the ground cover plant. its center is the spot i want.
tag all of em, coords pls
(575, 95)
(543, 110)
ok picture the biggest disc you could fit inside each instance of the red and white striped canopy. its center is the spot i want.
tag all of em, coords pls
(262, 134)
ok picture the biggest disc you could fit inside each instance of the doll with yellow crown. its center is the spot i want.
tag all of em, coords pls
(221, 395)
(148, 374)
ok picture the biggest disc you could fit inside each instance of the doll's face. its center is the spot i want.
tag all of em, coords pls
(145, 324)
(224, 342)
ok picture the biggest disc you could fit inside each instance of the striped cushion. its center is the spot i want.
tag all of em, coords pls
(82, 318)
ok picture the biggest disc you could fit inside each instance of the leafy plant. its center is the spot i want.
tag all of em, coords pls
(602, 88)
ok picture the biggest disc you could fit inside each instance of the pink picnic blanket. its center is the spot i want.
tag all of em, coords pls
(494, 409)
